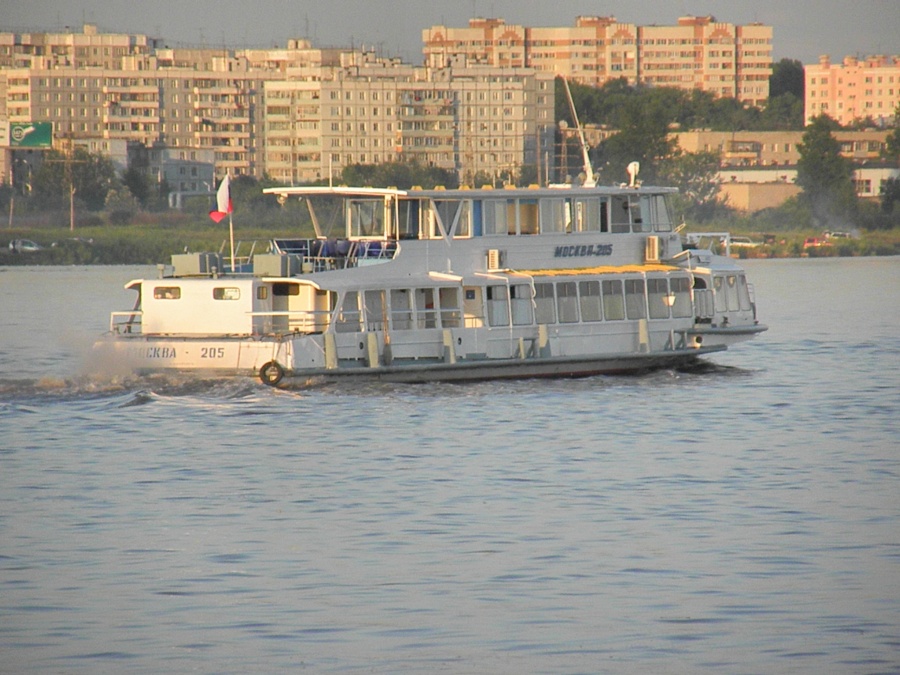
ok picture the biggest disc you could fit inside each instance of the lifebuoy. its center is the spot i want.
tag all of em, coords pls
(271, 373)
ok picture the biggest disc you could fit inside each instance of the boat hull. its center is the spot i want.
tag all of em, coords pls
(496, 369)
(269, 360)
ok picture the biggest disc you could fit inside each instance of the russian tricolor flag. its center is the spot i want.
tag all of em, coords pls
(223, 200)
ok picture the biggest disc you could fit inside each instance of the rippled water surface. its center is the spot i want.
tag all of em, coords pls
(744, 519)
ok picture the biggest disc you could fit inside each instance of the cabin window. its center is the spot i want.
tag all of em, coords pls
(494, 217)
(449, 299)
(635, 304)
(366, 217)
(555, 216)
(719, 289)
(375, 311)
(621, 222)
(262, 292)
(589, 300)
(401, 309)
(588, 215)
(681, 289)
(744, 293)
(227, 293)
(658, 298)
(528, 216)
(348, 318)
(659, 213)
(613, 300)
(731, 293)
(567, 302)
(408, 219)
(446, 210)
(544, 306)
(167, 293)
(521, 304)
(426, 316)
(281, 290)
(639, 219)
(456, 217)
(498, 306)
(727, 298)
(464, 222)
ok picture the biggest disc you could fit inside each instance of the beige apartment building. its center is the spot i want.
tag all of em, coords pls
(296, 114)
(369, 111)
(777, 148)
(758, 169)
(697, 53)
(855, 89)
(93, 87)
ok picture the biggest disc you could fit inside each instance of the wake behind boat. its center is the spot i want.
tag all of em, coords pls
(444, 285)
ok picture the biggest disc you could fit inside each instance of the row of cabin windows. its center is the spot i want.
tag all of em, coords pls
(732, 293)
(219, 293)
(406, 309)
(589, 301)
(561, 302)
(510, 217)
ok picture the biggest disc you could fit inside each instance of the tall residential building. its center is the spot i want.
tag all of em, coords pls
(295, 113)
(94, 86)
(479, 120)
(697, 53)
(853, 90)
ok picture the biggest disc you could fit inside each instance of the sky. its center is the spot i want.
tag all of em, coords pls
(803, 29)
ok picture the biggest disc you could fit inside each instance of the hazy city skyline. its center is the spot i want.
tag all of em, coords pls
(802, 31)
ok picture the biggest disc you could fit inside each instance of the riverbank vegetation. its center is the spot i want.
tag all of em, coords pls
(151, 238)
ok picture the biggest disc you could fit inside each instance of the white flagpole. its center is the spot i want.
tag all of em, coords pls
(231, 235)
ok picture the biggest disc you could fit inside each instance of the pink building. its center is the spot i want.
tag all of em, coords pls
(853, 90)
(697, 53)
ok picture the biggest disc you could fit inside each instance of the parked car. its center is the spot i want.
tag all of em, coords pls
(24, 246)
(744, 242)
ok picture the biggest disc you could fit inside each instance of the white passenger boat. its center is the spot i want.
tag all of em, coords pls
(444, 285)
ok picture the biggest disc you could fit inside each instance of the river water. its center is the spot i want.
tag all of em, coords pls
(740, 520)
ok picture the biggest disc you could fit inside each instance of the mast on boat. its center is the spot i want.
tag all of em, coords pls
(589, 179)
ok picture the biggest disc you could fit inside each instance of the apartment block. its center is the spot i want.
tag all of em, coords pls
(777, 148)
(294, 113)
(479, 120)
(758, 169)
(853, 90)
(94, 86)
(697, 53)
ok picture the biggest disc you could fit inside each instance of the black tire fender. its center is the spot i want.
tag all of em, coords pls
(271, 373)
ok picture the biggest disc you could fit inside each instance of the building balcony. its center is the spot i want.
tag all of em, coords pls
(113, 117)
(130, 90)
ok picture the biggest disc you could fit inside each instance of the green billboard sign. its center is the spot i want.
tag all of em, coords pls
(30, 134)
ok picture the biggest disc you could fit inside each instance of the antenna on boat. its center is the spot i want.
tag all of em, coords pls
(589, 179)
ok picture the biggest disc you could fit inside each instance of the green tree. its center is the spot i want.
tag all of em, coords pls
(403, 175)
(91, 174)
(643, 136)
(782, 113)
(890, 194)
(695, 174)
(826, 177)
(892, 142)
(787, 78)
(139, 185)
